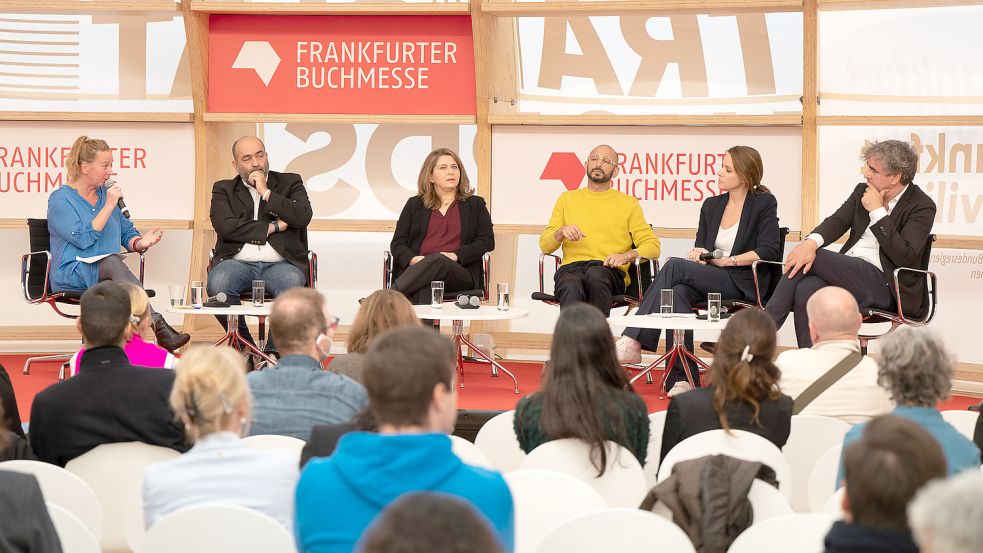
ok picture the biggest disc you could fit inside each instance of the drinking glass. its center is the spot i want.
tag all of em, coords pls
(177, 295)
(504, 298)
(713, 306)
(197, 294)
(437, 294)
(665, 303)
(259, 291)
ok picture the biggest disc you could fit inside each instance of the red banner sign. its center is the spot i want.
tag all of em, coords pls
(386, 65)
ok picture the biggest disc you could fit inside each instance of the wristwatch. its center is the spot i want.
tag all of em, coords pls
(733, 261)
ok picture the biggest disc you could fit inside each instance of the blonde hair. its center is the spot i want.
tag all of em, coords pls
(84, 150)
(381, 311)
(210, 384)
(426, 189)
(139, 302)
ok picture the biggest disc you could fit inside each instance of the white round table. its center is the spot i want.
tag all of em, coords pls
(678, 323)
(233, 312)
(451, 312)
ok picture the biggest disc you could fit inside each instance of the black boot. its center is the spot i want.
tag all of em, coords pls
(167, 337)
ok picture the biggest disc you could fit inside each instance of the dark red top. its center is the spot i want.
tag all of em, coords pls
(443, 232)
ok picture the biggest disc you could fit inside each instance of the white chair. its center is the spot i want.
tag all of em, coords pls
(73, 534)
(766, 502)
(497, 440)
(621, 530)
(834, 505)
(543, 500)
(963, 420)
(469, 453)
(657, 424)
(822, 479)
(795, 533)
(115, 473)
(64, 489)
(738, 444)
(274, 441)
(811, 436)
(623, 483)
(215, 528)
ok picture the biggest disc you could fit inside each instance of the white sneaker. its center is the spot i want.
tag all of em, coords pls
(629, 351)
(680, 387)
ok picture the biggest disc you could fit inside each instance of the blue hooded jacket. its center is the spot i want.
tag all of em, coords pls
(339, 496)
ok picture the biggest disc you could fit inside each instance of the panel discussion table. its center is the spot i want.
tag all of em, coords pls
(233, 312)
(678, 323)
(451, 312)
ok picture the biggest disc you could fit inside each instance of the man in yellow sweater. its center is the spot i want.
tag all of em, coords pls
(597, 228)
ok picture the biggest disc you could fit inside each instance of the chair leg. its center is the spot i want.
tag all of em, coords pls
(63, 357)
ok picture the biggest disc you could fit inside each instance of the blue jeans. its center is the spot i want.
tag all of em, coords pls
(233, 277)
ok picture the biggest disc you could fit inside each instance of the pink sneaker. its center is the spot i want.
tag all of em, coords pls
(629, 351)
(680, 387)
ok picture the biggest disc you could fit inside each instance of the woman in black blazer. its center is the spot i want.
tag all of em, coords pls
(742, 222)
(442, 233)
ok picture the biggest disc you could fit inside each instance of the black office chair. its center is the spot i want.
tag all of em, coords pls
(639, 281)
(390, 272)
(36, 285)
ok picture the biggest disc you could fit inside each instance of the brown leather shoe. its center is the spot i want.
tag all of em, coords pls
(167, 337)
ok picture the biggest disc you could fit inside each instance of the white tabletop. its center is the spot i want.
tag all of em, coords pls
(248, 310)
(451, 312)
(678, 321)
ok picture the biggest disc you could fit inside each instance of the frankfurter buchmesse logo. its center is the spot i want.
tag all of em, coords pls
(259, 56)
(565, 167)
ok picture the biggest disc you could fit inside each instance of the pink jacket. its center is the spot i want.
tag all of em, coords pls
(139, 353)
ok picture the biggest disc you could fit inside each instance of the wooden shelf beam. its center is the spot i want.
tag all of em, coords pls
(380, 8)
(97, 116)
(618, 7)
(339, 118)
(646, 120)
(70, 6)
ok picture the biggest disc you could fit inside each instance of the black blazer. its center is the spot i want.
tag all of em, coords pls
(477, 235)
(692, 412)
(902, 236)
(757, 231)
(231, 214)
(109, 401)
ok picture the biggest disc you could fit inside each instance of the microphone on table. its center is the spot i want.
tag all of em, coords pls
(218, 300)
(119, 203)
(716, 254)
(468, 302)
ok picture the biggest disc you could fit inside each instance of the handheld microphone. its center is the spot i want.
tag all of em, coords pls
(468, 302)
(220, 297)
(219, 300)
(716, 254)
(119, 203)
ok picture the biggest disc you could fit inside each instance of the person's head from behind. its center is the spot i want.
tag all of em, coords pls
(139, 308)
(893, 458)
(408, 373)
(301, 324)
(4, 435)
(833, 315)
(210, 391)
(914, 367)
(946, 515)
(429, 522)
(104, 316)
(380, 311)
(743, 369)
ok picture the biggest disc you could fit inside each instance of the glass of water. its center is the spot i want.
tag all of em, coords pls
(197, 294)
(714, 306)
(665, 302)
(259, 291)
(504, 298)
(177, 295)
(437, 294)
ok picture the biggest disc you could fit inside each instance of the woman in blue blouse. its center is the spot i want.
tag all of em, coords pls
(84, 221)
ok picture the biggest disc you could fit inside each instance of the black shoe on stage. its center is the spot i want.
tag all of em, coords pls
(167, 337)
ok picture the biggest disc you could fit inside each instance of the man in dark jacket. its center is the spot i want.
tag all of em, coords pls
(110, 400)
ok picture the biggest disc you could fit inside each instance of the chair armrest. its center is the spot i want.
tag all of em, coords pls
(143, 265)
(312, 268)
(653, 269)
(486, 274)
(387, 269)
(931, 283)
(556, 265)
(757, 282)
(25, 272)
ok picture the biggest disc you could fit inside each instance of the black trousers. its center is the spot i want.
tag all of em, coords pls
(414, 281)
(865, 281)
(113, 268)
(588, 282)
(690, 283)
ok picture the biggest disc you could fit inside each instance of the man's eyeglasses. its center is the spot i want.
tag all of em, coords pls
(605, 160)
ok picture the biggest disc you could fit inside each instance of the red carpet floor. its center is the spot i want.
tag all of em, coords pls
(481, 390)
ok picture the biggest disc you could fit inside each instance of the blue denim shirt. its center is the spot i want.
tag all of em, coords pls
(70, 227)
(296, 393)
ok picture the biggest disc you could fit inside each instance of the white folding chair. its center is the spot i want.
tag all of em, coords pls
(834, 505)
(64, 489)
(963, 420)
(621, 530)
(543, 500)
(738, 444)
(822, 479)
(115, 473)
(274, 441)
(795, 533)
(766, 502)
(214, 528)
(497, 440)
(73, 534)
(811, 436)
(657, 424)
(469, 453)
(621, 485)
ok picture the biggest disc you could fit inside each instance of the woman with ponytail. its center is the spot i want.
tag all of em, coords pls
(211, 397)
(85, 221)
(743, 392)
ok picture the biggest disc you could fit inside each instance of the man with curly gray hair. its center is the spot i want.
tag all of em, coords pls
(916, 370)
(945, 515)
(889, 219)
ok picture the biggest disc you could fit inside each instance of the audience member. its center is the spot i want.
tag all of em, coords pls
(834, 321)
(945, 515)
(585, 393)
(111, 400)
(891, 460)
(916, 370)
(429, 523)
(409, 375)
(8, 400)
(382, 310)
(12, 446)
(743, 392)
(297, 393)
(211, 398)
(138, 351)
(25, 526)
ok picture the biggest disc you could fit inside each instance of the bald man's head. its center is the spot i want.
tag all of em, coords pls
(833, 314)
(602, 164)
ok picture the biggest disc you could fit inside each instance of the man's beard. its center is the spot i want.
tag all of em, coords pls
(605, 177)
